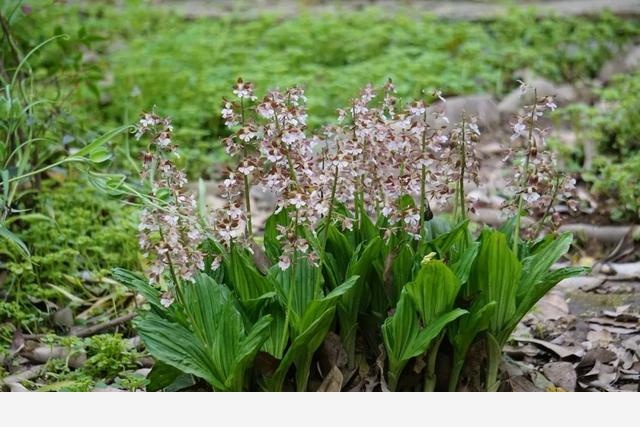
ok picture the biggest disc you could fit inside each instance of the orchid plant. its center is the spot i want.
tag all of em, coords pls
(370, 239)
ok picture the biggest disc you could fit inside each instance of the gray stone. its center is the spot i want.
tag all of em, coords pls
(514, 101)
(626, 63)
(481, 106)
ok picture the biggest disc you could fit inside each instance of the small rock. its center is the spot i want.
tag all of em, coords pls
(108, 389)
(63, 317)
(626, 63)
(481, 106)
(511, 104)
(143, 372)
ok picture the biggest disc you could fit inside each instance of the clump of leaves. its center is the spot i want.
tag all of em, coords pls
(108, 356)
(109, 359)
(352, 246)
(131, 382)
(50, 239)
(344, 49)
(613, 124)
(75, 237)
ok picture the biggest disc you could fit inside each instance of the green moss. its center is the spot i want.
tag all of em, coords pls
(108, 356)
(184, 67)
(78, 236)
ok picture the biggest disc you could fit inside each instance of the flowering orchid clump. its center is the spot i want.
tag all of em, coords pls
(168, 227)
(369, 238)
(375, 157)
(537, 181)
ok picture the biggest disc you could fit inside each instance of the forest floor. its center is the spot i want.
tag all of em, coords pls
(465, 10)
(583, 336)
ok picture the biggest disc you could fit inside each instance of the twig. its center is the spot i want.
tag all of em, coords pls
(92, 330)
(603, 233)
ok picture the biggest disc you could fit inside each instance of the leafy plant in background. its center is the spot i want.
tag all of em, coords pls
(51, 235)
(352, 247)
(331, 55)
(611, 126)
(616, 132)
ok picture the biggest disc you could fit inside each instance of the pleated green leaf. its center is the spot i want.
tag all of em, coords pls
(434, 290)
(495, 276)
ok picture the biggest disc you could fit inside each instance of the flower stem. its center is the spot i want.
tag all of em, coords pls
(245, 178)
(530, 143)
(425, 209)
(463, 162)
(325, 237)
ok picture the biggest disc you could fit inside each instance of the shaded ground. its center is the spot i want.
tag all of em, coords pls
(469, 10)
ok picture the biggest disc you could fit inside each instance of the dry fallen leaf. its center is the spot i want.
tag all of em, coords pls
(522, 384)
(552, 306)
(332, 382)
(600, 338)
(605, 375)
(563, 351)
(561, 374)
(597, 354)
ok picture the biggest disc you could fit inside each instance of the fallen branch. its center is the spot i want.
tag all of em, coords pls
(43, 354)
(495, 217)
(13, 381)
(92, 330)
(602, 233)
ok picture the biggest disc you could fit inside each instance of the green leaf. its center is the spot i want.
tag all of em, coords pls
(247, 281)
(431, 331)
(456, 238)
(272, 246)
(303, 286)
(162, 376)
(547, 282)
(176, 346)
(14, 240)
(434, 290)
(247, 351)
(535, 266)
(139, 284)
(96, 146)
(402, 268)
(464, 332)
(340, 249)
(495, 276)
(403, 339)
(462, 267)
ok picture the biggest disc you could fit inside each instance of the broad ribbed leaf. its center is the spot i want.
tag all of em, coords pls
(437, 227)
(340, 248)
(176, 346)
(226, 341)
(247, 351)
(278, 335)
(296, 293)
(434, 290)
(402, 268)
(139, 284)
(546, 283)
(399, 331)
(535, 266)
(206, 301)
(403, 339)
(272, 246)
(243, 276)
(462, 267)
(450, 243)
(424, 338)
(496, 276)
